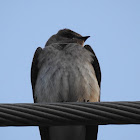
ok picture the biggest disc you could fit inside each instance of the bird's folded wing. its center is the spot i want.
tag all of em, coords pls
(35, 69)
(95, 64)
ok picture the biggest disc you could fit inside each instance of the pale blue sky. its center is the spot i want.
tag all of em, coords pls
(114, 27)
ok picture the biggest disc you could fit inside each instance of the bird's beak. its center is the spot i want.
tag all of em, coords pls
(84, 38)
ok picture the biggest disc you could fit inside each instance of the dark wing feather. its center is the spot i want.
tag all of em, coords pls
(35, 69)
(44, 131)
(95, 64)
(92, 130)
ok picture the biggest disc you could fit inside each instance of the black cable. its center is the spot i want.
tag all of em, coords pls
(73, 113)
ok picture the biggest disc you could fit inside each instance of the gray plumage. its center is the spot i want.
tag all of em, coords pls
(65, 71)
(66, 74)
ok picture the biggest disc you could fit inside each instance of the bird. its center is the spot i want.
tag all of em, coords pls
(66, 70)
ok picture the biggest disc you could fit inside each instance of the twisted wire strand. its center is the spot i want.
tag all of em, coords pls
(70, 113)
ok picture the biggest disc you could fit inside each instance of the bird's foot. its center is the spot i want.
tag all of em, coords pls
(86, 100)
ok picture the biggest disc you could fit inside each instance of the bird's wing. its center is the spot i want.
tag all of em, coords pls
(92, 130)
(35, 69)
(95, 64)
(34, 72)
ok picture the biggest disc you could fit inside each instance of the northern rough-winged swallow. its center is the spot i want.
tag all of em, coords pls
(66, 71)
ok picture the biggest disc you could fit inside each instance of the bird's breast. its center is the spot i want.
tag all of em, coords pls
(66, 75)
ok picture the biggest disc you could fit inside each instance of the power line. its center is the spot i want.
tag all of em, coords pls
(67, 113)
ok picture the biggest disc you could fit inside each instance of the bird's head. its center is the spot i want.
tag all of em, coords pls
(67, 36)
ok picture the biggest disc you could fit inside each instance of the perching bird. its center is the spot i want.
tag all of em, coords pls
(66, 71)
